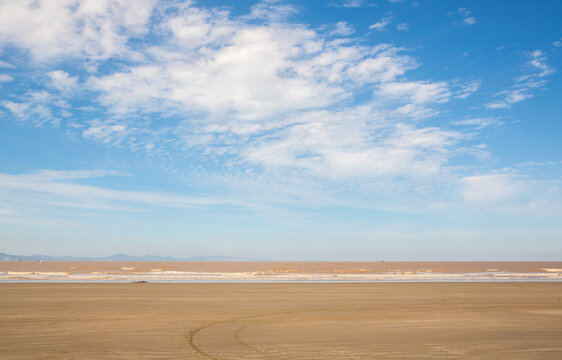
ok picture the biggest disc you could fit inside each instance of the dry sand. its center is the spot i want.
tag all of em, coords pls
(281, 321)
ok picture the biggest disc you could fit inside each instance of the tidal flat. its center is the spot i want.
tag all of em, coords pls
(450, 320)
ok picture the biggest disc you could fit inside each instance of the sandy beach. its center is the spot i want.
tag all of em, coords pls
(281, 321)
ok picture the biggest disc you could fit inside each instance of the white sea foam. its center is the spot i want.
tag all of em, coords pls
(186, 276)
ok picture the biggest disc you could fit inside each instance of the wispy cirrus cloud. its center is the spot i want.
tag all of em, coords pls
(6, 65)
(382, 23)
(478, 123)
(349, 3)
(525, 84)
(465, 15)
(61, 188)
(35, 107)
(5, 78)
(402, 27)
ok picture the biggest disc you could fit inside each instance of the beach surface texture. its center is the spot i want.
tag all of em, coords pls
(413, 320)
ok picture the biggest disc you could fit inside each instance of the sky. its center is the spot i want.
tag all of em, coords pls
(308, 130)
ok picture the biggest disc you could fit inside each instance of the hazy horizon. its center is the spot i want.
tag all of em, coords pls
(349, 130)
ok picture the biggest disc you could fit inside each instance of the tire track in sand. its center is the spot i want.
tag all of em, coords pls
(252, 348)
(189, 336)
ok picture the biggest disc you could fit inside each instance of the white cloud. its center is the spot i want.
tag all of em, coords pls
(272, 11)
(464, 13)
(58, 188)
(495, 188)
(352, 3)
(342, 28)
(106, 131)
(413, 97)
(513, 194)
(382, 23)
(541, 163)
(35, 112)
(557, 43)
(275, 98)
(417, 92)
(497, 105)
(461, 11)
(61, 80)
(343, 146)
(6, 78)
(512, 96)
(33, 107)
(97, 29)
(4, 64)
(259, 94)
(228, 69)
(478, 123)
(402, 27)
(525, 84)
(17, 109)
(465, 89)
(538, 61)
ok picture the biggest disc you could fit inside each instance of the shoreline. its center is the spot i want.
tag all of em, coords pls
(278, 272)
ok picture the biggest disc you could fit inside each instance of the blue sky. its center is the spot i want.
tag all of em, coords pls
(317, 130)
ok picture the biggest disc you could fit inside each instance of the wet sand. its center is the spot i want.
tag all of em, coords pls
(281, 321)
(277, 271)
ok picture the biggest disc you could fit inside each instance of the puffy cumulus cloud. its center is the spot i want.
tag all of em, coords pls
(96, 29)
(256, 92)
(61, 80)
(254, 75)
(352, 145)
(229, 68)
(281, 96)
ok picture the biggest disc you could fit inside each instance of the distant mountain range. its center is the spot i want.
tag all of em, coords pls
(118, 257)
